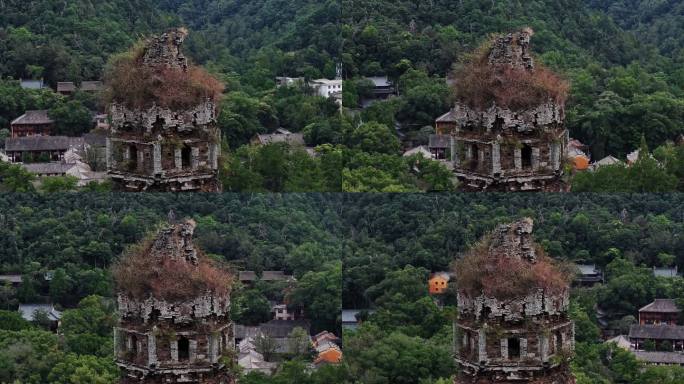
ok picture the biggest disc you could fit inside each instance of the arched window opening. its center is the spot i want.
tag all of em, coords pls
(133, 157)
(475, 157)
(526, 154)
(183, 348)
(513, 348)
(186, 156)
(134, 344)
(559, 341)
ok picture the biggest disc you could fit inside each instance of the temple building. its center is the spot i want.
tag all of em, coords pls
(512, 324)
(164, 135)
(174, 306)
(32, 123)
(506, 131)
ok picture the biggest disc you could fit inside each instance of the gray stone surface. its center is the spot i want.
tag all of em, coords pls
(546, 114)
(513, 49)
(164, 50)
(148, 121)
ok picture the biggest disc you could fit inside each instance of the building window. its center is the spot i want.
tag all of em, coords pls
(513, 348)
(134, 344)
(186, 156)
(485, 312)
(474, 157)
(183, 349)
(559, 341)
(133, 157)
(526, 155)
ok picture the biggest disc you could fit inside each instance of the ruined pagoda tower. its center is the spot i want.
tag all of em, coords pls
(173, 305)
(164, 134)
(512, 324)
(506, 131)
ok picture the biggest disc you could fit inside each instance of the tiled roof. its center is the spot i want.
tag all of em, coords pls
(660, 357)
(665, 272)
(54, 168)
(656, 332)
(380, 81)
(66, 86)
(439, 141)
(273, 275)
(32, 84)
(292, 138)
(42, 143)
(444, 275)
(349, 315)
(608, 160)
(448, 117)
(422, 149)
(587, 269)
(247, 276)
(33, 117)
(274, 329)
(95, 139)
(14, 279)
(661, 305)
(91, 86)
(28, 311)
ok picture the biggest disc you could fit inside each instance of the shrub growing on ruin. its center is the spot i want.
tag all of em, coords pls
(479, 85)
(139, 274)
(139, 86)
(483, 272)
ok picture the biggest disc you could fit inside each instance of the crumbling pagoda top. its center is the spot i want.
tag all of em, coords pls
(512, 323)
(512, 49)
(165, 50)
(174, 312)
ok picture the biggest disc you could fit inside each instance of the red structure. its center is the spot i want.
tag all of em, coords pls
(32, 123)
(660, 312)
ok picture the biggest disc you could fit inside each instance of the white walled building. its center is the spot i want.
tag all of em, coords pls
(327, 88)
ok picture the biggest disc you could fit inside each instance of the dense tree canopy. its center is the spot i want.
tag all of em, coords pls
(623, 60)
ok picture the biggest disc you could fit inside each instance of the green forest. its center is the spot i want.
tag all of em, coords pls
(77, 237)
(624, 60)
(396, 241)
(246, 44)
(366, 251)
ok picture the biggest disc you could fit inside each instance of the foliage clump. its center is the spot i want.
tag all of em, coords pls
(480, 84)
(139, 274)
(493, 274)
(136, 85)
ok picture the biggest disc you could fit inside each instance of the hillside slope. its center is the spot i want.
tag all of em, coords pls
(73, 39)
(660, 22)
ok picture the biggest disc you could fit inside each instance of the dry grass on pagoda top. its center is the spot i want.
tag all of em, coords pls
(479, 85)
(504, 277)
(137, 86)
(140, 275)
